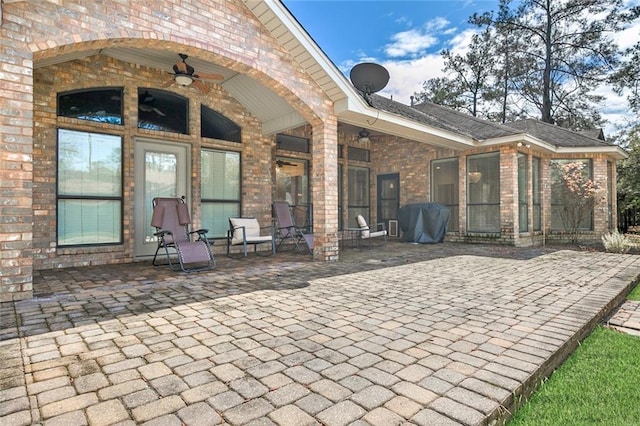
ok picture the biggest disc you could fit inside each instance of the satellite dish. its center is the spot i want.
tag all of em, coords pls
(369, 78)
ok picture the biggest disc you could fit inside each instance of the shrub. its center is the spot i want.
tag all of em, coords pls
(615, 242)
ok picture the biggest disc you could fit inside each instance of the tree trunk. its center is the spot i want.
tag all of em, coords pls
(546, 77)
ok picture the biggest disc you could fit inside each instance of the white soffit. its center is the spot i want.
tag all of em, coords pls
(274, 112)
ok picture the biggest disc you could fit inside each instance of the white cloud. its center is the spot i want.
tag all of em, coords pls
(459, 43)
(629, 36)
(436, 24)
(409, 43)
(614, 109)
(415, 42)
(407, 76)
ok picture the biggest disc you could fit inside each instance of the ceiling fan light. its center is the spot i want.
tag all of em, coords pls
(474, 177)
(184, 80)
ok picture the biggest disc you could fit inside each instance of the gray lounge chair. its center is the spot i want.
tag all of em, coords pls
(171, 220)
(287, 230)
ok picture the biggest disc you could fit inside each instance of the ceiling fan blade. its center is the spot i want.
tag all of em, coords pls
(209, 76)
(200, 85)
(180, 67)
(168, 82)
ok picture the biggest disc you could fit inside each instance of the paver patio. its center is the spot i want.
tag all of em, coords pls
(403, 334)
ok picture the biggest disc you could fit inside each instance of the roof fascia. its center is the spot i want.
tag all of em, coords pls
(309, 44)
(396, 125)
(615, 152)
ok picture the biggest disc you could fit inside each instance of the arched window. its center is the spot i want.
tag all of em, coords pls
(162, 110)
(216, 126)
(103, 105)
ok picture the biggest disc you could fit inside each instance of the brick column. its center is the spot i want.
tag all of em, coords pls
(509, 195)
(545, 183)
(324, 187)
(462, 194)
(16, 174)
(600, 208)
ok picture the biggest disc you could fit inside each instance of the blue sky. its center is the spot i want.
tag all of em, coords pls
(406, 37)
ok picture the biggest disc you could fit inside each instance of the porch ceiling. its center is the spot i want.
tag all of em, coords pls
(272, 110)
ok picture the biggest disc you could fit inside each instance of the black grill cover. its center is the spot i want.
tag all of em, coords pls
(423, 223)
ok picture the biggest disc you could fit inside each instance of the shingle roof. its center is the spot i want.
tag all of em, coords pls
(556, 135)
(466, 124)
(481, 130)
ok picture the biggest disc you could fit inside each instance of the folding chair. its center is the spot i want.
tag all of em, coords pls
(245, 231)
(288, 231)
(171, 220)
(366, 234)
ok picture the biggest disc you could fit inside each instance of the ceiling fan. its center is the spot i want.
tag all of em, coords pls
(185, 75)
(146, 104)
(280, 163)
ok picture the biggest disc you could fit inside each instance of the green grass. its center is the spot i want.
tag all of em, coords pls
(635, 293)
(599, 384)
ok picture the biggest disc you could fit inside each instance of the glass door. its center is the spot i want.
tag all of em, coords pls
(388, 198)
(161, 170)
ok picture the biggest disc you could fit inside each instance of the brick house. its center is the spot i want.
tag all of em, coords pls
(93, 123)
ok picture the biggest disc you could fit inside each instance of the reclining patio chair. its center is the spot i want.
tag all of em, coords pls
(287, 230)
(245, 231)
(366, 234)
(171, 220)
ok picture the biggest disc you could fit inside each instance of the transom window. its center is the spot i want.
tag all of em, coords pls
(358, 154)
(103, 105)
(292, 143)
(89, 193)
(216, 126)
(162, 110)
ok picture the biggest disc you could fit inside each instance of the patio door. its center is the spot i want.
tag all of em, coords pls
(388, 198)
(161, 169)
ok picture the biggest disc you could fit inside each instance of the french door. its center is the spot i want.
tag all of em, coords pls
(161, 169)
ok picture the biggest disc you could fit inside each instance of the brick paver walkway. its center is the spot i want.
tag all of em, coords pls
(397, 335)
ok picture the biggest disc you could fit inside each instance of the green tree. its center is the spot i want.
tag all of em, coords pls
(560, 53)
(468, 85)
(441, 91)
(471, 73)
(629, 172)
(627, 78)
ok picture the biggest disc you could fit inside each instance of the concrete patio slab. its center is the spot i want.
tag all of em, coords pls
(403, 334)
